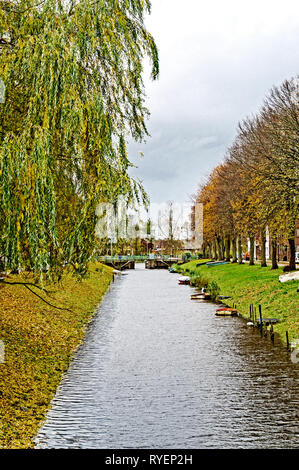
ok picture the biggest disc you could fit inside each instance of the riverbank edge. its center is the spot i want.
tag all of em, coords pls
(253, 285)
(40, 342)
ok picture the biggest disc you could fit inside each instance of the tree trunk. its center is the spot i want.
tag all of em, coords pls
(251, 259)
(214, 249)
(227, 248)
(218, 248)
(240, 260)
(222, 245)
(292, 262)
(263, 250)
(234, 250)
(274, 253)
(221, 249)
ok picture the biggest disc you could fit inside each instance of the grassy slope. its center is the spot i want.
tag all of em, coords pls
(255, 285)
(39, 344)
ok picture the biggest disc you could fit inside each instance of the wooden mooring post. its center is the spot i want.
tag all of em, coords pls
(272, 333)
(261, 318)
(262, 323)
(287, 338)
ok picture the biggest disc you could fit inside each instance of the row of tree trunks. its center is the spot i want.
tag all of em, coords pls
(292, 262)
(220, 250)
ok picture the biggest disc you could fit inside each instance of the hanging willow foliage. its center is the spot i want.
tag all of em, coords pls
(74, 93)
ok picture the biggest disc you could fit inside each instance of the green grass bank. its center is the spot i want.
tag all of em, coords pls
(254, 285)
(39, 345)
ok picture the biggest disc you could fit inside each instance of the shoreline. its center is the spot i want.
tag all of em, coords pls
(40, 342)
(253, 285)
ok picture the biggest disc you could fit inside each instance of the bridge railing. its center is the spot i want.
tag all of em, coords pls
(139, 258)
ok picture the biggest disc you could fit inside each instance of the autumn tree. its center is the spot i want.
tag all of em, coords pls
(257, 186)
(272, 154)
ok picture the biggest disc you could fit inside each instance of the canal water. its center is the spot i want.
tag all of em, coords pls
(158, 370)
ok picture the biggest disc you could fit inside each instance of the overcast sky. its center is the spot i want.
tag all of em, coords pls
(218, 59)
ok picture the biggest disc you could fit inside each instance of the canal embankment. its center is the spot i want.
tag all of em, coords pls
(252, 285)
(39, 341)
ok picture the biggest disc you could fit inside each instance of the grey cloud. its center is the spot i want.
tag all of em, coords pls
(210, 80)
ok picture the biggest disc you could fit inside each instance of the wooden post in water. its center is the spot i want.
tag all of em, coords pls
(288, 343)
(272, 333)
(261, 319)
(266, 331)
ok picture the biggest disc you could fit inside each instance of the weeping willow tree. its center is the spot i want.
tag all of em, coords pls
(74, 94)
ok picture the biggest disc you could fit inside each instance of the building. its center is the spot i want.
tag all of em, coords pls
(196, 217)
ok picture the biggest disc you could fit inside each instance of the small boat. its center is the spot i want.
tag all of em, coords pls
(184, 280)
(292, 276)
(197, 297)
(268, 321)
(226, 312)
(203, 295)
(216, 263)
(224, 297)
